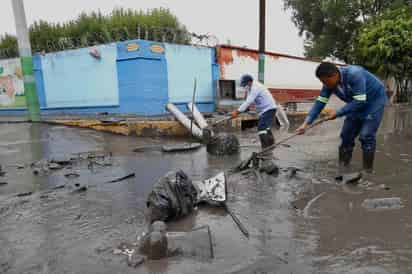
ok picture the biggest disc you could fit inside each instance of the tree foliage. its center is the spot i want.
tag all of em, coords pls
(95, 28)
(385, 46)
(331, 26)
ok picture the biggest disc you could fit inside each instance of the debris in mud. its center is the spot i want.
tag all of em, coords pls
(59, 187)
(306, 210)
(80, 188)
(3, 183)
(173, 196)
(349, 178)
(155, 244)
(383, 203)
(71, 175)
(195, 244)
(135, 260)
(43, 167)
(2, 172)
(147, 148)
(17, 166)
(93, 155)
(223, 144)
(24, 194)
(212, 190)
(181, 147)
(131, 175)
(239, 224)
(269, 167)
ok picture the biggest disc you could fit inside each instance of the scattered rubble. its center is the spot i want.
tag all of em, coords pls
(223, 144)
(383, 203)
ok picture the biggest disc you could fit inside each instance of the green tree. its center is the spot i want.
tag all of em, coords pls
(331, 26)
(95, 28)
(8, 46)
(385, 46)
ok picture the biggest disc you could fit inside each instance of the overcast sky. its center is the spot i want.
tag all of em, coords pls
(234, 20)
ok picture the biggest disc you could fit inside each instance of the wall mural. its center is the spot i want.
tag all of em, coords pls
(11, 84)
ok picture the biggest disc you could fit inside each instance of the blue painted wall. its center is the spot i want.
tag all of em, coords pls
(142, 76)
(75, 79)
(131, 78)
(184, 64)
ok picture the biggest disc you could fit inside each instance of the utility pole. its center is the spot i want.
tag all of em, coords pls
(26, 60)
(262, 39)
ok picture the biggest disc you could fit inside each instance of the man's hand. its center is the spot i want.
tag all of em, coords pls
(331, 115)
(235, 114)
(302, 129)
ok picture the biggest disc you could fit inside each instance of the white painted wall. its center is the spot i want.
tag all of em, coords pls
(280, 72)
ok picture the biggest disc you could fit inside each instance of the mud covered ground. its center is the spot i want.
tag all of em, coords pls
(298, 223)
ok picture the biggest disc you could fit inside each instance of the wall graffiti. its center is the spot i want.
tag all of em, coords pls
(11, 84)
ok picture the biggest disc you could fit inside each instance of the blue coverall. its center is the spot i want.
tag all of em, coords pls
(366, 99)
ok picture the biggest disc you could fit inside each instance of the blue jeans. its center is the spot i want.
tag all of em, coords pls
(266, 120)
(365, 128)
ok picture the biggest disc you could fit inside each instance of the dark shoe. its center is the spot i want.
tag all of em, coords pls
(368, 159)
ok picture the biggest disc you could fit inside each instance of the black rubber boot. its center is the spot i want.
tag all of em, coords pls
(345, 157)
(368, 159)
(265, 140)
(271, 137)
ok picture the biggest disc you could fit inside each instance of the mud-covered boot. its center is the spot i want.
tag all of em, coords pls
(266, 162)
(345, 157)
(368, 160)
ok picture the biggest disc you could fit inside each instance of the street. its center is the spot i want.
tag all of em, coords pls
(302, 223)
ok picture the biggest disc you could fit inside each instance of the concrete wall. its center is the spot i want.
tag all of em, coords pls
(289, 78)
(76, 79)
(184, 64)
(143, 79)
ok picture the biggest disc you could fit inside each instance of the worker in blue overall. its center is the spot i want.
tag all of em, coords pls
(365, 96)
(265, 106)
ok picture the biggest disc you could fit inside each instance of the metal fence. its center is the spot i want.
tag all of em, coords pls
(167, 35)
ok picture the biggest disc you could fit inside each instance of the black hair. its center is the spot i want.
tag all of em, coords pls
(326, 69)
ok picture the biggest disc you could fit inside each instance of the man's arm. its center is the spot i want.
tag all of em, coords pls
(252, 94)
(318, 106)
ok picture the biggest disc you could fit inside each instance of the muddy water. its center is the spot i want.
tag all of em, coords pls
(305, 224)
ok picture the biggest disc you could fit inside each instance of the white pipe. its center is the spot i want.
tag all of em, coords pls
(196, 131)
(282, 118)
(200, 120)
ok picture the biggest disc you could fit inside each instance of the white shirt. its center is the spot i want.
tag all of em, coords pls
(262, 98)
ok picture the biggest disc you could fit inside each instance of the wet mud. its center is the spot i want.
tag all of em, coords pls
(300, 220)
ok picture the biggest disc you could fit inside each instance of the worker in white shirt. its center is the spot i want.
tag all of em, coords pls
(265, 106)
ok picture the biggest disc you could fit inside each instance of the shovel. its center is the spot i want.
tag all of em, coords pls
(258, 155)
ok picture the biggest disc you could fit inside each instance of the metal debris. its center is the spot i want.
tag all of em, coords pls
(237, 221)
(131, 175)
(24, 194)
